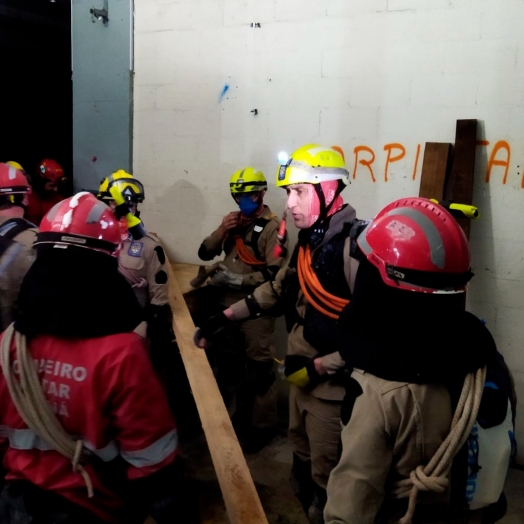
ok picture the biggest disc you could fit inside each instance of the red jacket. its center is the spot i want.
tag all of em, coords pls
(39, 206)
(104, 390)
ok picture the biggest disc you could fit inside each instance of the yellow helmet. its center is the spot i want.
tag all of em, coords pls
(16, 165)
(132, 190)
(312, 164)
(247, 180)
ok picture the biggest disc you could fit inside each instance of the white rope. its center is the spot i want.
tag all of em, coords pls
(434, 476)
(32, 405)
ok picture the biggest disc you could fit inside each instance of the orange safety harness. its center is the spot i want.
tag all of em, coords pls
(245, 255)
(315, 294)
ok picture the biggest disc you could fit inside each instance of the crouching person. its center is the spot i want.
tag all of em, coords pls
(85, 428)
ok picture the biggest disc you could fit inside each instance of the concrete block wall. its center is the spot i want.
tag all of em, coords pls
(377, 77)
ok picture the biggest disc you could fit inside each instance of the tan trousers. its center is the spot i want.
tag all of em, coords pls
(314, 432)
(260, 368)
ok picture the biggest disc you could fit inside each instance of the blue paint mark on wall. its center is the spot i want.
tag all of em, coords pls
(225, 89)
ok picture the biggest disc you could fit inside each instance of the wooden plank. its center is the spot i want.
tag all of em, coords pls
(434, 170)
(240, 496)
(460, 185)
(184, 273)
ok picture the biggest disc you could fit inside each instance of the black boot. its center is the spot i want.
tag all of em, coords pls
(301, 481)
(315, 512)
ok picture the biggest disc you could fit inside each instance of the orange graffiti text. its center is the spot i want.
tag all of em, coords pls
(363, 161)
(501, 145)
(396, 158)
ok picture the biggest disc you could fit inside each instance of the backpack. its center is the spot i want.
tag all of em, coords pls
(491, 444)
(481, 467)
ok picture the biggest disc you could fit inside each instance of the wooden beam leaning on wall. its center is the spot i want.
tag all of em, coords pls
(460, 185)
(238, 490)
(437, 157)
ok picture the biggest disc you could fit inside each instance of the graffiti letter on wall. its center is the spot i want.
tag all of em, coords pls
(494, 161)
(390, 159)
(364, 162)
(416, 162)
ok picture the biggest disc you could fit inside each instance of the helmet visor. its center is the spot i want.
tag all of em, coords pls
(132, 190)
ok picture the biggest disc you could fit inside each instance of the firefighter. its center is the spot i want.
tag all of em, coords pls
(411, 345)
(247, 238)
(142, 261)
(312, 288)
(87, 434)
(48, 186)
(16, 238)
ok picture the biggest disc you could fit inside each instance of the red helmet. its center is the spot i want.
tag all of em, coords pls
(13, 183)
(417, 245)
(82, 221)
(51, 171)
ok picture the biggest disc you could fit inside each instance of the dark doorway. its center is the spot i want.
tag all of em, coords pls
(35, 64)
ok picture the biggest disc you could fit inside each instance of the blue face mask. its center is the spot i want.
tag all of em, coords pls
(247, 206)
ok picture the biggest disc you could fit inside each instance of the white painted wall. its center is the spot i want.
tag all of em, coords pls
(353, 73)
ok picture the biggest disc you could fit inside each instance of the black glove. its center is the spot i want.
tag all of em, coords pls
(211, 327)
(300, 371)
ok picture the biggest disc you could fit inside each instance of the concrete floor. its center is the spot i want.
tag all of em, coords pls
(270, 471)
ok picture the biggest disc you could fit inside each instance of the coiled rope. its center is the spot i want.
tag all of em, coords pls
(435, 476)
(32, 405)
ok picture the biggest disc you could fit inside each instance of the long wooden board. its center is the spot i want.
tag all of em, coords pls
(240, 496)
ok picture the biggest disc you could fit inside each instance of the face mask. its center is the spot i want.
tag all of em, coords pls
(248, 206)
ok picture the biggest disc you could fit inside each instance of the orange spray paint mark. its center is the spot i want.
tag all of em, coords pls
(416, 162)
(390, 159)
(494, 161)
(363, 161)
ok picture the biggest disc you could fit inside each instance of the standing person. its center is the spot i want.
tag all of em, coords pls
(312, 289)
(48, 186)
(411, 346)
(143, 264)
(16, 239)
(247, 238)
(87, 435)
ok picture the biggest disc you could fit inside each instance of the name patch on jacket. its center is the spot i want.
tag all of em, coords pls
(135, 249)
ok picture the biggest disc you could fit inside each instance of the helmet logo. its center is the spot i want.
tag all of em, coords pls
(240, 181)
(42, 169)
(400, 230)
(394, 273)
(74, 240)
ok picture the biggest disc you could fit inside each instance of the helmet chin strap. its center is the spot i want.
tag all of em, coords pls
(317, 230)
(324, 210)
